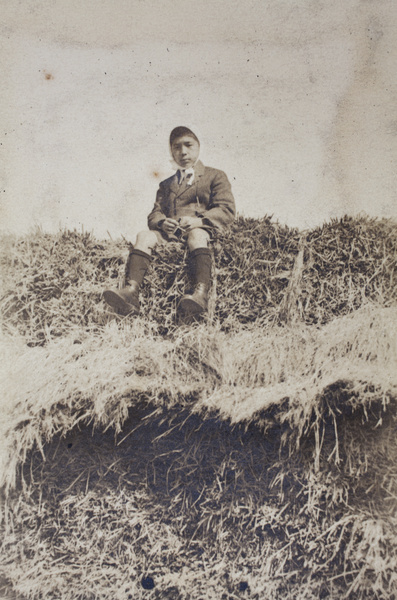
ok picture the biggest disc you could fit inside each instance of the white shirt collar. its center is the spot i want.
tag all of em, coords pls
(186, 173)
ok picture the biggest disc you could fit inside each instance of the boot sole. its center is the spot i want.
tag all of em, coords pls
(117, 303)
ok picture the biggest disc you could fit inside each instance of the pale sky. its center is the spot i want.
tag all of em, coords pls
(295, 101)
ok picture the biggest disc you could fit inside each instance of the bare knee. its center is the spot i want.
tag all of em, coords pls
(146, 241)
(198, 238)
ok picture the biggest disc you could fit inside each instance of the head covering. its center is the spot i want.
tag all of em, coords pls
(180, 132)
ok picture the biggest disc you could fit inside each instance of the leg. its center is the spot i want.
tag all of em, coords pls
(198, 238)
(199, 268)
(126, 300)
(140, 257)
(146, 241)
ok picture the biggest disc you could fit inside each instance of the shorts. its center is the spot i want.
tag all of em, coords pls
(178, 236)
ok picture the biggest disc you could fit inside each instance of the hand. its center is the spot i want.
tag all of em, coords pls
(169, 226)
(189, 223)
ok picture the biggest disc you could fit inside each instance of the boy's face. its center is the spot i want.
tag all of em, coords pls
(185, 151)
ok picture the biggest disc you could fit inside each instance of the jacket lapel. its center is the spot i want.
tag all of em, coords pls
(174, 184)
(182, 189)
(199, 169)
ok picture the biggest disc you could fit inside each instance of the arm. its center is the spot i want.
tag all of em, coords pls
(158, 218)
(157, 215)
(221, 209)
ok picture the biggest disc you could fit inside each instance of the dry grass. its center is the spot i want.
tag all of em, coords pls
(52, 283)
(203, 509)
(242, 376)
(249, 456)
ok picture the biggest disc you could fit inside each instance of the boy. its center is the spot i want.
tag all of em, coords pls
(191, 204)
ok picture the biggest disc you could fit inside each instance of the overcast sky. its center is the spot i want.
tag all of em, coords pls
(295, 101)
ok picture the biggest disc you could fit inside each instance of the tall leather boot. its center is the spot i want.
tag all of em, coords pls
(191, 306)
(125, 301)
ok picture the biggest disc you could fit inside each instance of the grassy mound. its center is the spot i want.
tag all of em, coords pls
(265, 273)
(249, 456)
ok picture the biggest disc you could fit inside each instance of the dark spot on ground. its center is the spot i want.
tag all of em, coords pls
(147, 583)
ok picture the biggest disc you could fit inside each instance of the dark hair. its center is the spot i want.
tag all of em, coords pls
(180, 132)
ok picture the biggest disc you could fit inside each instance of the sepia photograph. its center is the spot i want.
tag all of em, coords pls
(198, 300)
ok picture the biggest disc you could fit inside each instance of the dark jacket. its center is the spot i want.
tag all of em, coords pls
(210, 197)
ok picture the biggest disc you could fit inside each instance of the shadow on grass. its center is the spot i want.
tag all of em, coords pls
(177, 506)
